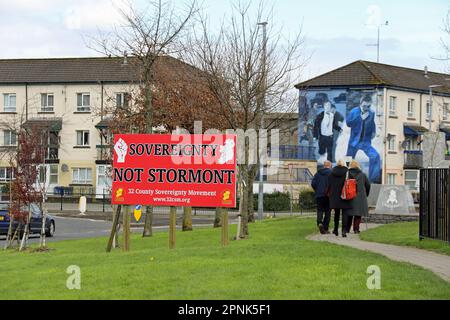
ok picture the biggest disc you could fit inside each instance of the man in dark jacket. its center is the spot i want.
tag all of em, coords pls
(320, 186)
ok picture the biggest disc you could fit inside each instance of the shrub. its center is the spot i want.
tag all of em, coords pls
(307, 199)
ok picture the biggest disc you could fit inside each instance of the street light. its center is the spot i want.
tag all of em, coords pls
(430, 116)
(261, 166)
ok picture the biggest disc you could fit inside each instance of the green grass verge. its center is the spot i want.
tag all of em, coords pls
(277, 262)
(404, 234)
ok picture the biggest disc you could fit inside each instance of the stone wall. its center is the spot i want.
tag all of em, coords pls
(390, 218)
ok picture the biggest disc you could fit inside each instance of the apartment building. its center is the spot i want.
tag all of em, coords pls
(386, 134)
(69, 97)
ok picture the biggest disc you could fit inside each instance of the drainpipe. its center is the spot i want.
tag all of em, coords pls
(101, 103)
(26, 101)
(385, 108)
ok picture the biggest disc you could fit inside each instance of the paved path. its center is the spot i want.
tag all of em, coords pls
(437, 263)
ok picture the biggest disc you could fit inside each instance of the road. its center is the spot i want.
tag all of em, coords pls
(79, 228)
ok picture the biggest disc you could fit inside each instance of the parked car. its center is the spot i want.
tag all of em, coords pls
(35, 223)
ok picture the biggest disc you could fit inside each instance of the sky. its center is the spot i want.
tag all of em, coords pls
(335, 32)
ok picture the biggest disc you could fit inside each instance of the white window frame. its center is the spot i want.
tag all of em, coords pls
(7, 107)
(76, 176)
(83, 107)
(122, 96)
(445, 111)
(392, 143)
(8, 135)
(411, 107)
(392, 106)
(4, 174)
(416, 181)
(428, 110)
(45, 106)
(389, 178)
(84, 143)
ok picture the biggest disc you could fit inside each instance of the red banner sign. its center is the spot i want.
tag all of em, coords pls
(175, 170)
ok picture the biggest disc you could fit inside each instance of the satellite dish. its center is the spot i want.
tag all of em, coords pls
(65, 168)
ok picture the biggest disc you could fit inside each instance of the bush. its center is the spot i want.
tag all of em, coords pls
(307, 199)
(278, 201)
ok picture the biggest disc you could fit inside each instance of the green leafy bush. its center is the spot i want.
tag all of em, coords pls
(307, 199)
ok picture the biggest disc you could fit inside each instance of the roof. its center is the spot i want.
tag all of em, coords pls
(365, 73)
(53, 124)
(77, 70)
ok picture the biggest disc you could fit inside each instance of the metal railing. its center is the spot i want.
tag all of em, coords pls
(413, 159)
(434, 216)
(295, 153)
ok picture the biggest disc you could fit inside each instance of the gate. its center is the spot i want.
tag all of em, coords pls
(434, 222)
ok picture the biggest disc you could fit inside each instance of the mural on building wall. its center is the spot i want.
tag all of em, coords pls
(340, 124)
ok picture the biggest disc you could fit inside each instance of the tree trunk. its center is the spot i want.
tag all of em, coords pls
(148, 232)
(9, 239)
(218, 218)
(187, 219)
(250, 207)
(148, 224)
(42, 240)
(244, 213)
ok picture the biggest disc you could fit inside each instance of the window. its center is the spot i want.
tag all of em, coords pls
(445, 111)
(412, 179)
(391, 178)
(52, 176)
(122, 99)
(82, 175)
(82, 138)
(411, 107)
(47, 102)
(392, 143)
(9, 138)
(83, 102)
(393, 106)
(428, 115)
(9, 102)
(6, 173)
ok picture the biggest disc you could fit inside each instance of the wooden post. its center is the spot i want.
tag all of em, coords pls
(126, 229)
(116, 215)
(224, 227)
(172, 227)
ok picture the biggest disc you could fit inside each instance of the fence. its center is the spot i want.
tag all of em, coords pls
(101, 203)
(434, 219)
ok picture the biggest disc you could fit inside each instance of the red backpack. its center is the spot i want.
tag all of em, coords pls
(349, 188)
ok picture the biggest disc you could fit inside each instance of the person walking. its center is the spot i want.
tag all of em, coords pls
(320, 185)
(336, 182)
(359, 205)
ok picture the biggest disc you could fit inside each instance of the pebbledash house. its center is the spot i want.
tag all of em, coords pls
(374, 113)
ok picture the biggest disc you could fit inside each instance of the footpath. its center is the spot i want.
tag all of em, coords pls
(435, 262)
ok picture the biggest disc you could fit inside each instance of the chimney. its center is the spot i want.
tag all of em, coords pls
(125, 57)
(425, 72)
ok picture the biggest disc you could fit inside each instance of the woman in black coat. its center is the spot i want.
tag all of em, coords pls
(359, 205)
(336, 182)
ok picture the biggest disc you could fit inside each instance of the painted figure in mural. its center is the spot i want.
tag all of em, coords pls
(340, 122)
(361, 120)
(326, 128)
(308, 128)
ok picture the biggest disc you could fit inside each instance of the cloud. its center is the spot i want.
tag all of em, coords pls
(92, 15)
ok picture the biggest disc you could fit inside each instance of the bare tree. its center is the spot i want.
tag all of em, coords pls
(250, 77)
(147, 34)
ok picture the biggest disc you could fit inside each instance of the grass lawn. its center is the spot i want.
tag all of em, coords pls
(404, 234)
(277, 262)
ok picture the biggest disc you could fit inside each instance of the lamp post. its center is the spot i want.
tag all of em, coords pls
(430, 116)
(261, 165)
